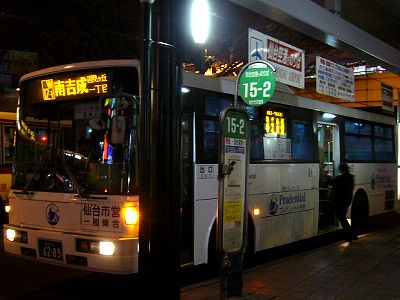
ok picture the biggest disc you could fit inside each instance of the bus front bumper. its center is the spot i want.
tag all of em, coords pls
(92, 253)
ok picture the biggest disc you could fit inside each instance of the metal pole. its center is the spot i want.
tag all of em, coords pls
(159, 251)
(145, 161)
(166, 123)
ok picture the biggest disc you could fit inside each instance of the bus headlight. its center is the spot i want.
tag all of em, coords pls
(16, 236)
(106, 248)
(95, 247)
(131, 215)
(11, 234)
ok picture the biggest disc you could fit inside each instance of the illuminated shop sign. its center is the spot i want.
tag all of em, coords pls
(275, 123)
(286, 56)
(64, 88)
(288, 60)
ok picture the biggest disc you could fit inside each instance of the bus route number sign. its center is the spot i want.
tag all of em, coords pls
(234, 145)
(257, 85)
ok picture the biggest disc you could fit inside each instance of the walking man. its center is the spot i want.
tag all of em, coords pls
(342, 187)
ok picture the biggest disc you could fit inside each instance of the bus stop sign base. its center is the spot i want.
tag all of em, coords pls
(232, 275)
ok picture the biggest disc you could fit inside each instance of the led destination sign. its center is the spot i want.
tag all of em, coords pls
(72, 86)
(275, 122)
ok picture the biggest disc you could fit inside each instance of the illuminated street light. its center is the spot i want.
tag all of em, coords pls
(200, 21)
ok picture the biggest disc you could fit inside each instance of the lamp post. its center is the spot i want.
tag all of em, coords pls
(159, 228)
(145, 266)
(200, 24)
(200, 21)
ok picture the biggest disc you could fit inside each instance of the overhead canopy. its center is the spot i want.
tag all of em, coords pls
(315, 21)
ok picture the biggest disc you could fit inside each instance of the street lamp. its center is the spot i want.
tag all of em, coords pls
(200, 21)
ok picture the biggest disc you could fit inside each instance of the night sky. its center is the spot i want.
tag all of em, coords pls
(70, 31)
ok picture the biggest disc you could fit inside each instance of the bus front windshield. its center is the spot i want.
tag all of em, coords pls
(82, 146)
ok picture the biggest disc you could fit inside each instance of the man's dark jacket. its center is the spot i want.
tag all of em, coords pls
(343, 190)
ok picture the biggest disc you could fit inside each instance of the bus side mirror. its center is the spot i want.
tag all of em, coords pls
(118, 121)
(118, 129)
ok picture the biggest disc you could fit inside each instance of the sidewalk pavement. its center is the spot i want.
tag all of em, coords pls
(368, 268)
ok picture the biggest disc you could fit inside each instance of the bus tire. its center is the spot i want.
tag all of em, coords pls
(360, 213)
(249, 258)
(213, 259)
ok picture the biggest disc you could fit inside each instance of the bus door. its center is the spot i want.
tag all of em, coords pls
(329, 157)
(187, 189)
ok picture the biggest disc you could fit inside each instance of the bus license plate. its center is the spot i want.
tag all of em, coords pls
(50, 249)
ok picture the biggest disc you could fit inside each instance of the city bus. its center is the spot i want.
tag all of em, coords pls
(8, 130)
(75, 194)
(74, 197)
(297, 145)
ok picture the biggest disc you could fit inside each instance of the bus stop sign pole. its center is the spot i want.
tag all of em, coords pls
(232, 198)
(255, 85)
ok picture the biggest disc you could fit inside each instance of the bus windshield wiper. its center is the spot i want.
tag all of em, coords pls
(44, 158)
(60, 158)
(60, 155)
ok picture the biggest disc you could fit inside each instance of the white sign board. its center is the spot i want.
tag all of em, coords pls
(387, 97)
(286, 59)
(234, 141)
(334, 80)
(234, 196)
(101, 217)
(277, 148)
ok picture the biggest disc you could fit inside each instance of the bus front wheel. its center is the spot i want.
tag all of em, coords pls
(360, 213)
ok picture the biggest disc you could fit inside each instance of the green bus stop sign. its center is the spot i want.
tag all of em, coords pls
(235, 125)
(234, 160)
(257, 85)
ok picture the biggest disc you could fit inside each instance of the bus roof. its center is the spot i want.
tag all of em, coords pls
(82, 66)
(285, 95)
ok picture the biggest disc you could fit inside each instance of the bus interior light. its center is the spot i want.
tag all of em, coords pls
(43, 138)
(328, 116)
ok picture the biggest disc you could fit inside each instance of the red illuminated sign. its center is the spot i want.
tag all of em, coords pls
(284, 55)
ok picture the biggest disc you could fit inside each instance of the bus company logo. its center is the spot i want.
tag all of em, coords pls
(380, 180)
(52, 214)
(373, 182)
(273, 204)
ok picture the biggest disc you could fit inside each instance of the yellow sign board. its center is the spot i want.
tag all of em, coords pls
(275, 122)
(233, 211)
(92, 84)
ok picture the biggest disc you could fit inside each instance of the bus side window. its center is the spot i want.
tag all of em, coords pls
(256, 143)
(8, 143)
(302, 140)
(210, 140)
(213, 105)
